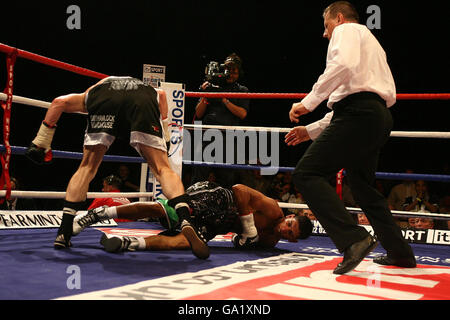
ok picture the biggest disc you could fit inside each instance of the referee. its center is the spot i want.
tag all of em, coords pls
(360, 88)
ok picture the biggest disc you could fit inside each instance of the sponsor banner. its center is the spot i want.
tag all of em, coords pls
(426, 236)
(175, 93)
(153, 75)
(287, 277)
(38, 219)
(367, 282)
(185, 285)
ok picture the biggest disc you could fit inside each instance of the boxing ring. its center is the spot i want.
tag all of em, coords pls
(32, 269)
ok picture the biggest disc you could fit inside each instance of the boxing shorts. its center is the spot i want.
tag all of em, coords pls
(213, 210)
(126, 108)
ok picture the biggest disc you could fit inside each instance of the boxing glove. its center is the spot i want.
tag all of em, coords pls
(242, 242)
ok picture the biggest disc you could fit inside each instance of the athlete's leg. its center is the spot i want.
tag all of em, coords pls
(155, 243)
(173, 189)
(158, 161)
(132, 211)
(77, 190)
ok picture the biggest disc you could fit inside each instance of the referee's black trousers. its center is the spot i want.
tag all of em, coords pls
(360, 126)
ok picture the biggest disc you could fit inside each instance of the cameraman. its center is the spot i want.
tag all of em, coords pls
(223, 111)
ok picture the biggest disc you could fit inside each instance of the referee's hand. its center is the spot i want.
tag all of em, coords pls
(297, 110)
(296, 136)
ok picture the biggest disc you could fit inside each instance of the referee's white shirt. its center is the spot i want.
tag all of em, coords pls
(356, 62)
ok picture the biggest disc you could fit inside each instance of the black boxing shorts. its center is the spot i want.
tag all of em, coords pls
(213, 209)
(126, 108)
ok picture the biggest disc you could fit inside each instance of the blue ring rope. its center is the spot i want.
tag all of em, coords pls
(114, 158)
(379, 175)
(77, 155)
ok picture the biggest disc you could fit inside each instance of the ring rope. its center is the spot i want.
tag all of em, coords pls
(46, 105)
(286, 205)
(86, 72)
(51, 62)
(406, 96)
(114, 158)
(396, 134)
(77, 155)
(30, 102)
(245, 95)
(61, 195)
(398, 213)
(379, 175)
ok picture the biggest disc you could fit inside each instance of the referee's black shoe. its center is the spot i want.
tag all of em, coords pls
(355, 254)
(399, 262)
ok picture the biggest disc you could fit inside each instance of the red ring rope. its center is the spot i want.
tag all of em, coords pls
(90, 73)
(240, 95)
(51, 62)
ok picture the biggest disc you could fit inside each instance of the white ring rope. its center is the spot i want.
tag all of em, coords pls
(421, 134)
(442, 216)
(398, 134)
(29, 102)
(285, 205)
(61, 195)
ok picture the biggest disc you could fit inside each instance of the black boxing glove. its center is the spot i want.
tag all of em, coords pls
(242, 242)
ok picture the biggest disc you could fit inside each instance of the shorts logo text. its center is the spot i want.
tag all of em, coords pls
(102, 121)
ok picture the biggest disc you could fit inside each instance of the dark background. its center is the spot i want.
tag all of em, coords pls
(280, 43)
